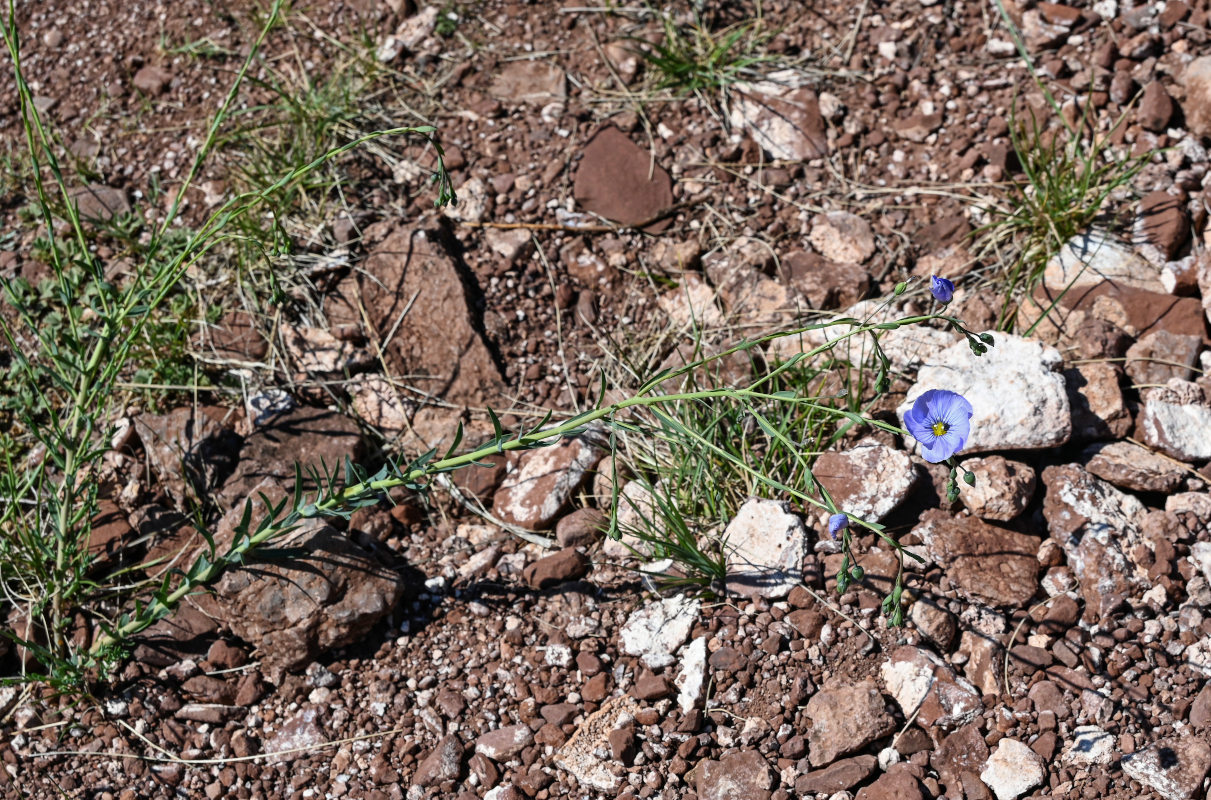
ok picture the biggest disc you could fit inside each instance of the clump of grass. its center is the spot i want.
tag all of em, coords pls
(703, 454)
(693, 59)
(70, 343)
(1067, 175)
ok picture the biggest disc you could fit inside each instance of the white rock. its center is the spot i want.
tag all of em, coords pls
(913, 345)
(587, 754)
(1200, 556)
(1090, 745)
(1015, 389)
(1095, 256)
(317, 352)
(1174, 768)
(1012, 770)
(1177, 420)
(765, 545)
(655, 631)
(508, 244)
(692, 675)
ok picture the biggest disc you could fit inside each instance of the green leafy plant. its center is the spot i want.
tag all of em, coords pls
(69, 342)
(341, 492)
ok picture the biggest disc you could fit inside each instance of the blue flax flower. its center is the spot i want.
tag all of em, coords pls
(942, 289)
(836, 523)
(941, 421)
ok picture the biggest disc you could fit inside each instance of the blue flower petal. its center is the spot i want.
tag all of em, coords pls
(947, 407)
(836, 522)
(942, 289)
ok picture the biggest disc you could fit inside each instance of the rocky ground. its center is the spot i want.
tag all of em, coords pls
(1056, 643)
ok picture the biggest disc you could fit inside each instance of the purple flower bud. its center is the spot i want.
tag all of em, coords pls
(836, 523)
(942, 289)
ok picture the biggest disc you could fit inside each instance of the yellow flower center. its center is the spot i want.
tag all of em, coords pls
(939, 428)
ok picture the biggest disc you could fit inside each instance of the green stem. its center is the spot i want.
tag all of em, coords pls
(163, 605)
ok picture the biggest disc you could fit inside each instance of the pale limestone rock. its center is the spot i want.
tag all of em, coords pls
(656, 630)
(765, 545)
(692, 675)
(1177, 420)
(1016, 391)
(1090, 745)
(1095, 256)
(1013, 769)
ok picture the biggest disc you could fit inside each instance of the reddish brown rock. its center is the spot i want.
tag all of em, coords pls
(152, 80)
(867, 481)
(962, 751)
(541, 485)
(1155, 108)
(584, 527)
(898, 783)
(838, 776)
(1161, 355)
(1197, 105)
(235, 337)
(109, 536)
(192, 451)
(824, 284)
(502, 744)
(1002, 489)
(438, 344)
(1137, 311)
(1098, 527)
(443, 764)
(305, 436)
(917, 127)
(1129, 466)
(986, 563)
(927, 688)
(537, 82)
(845, 719)
(329, 595)
(842, 237)
(616, 180)
(1162, 222)
(1098, 409)
(566, 565)
(99, 203)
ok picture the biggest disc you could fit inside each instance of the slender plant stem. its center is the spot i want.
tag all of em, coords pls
(208, 571)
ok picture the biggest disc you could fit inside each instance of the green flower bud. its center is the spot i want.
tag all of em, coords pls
(856, 573)
(987, 339)
(901, 287)
(969, 478)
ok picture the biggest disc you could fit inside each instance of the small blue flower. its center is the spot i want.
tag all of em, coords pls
(941, 421)
(942, 289)
(837, 522)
